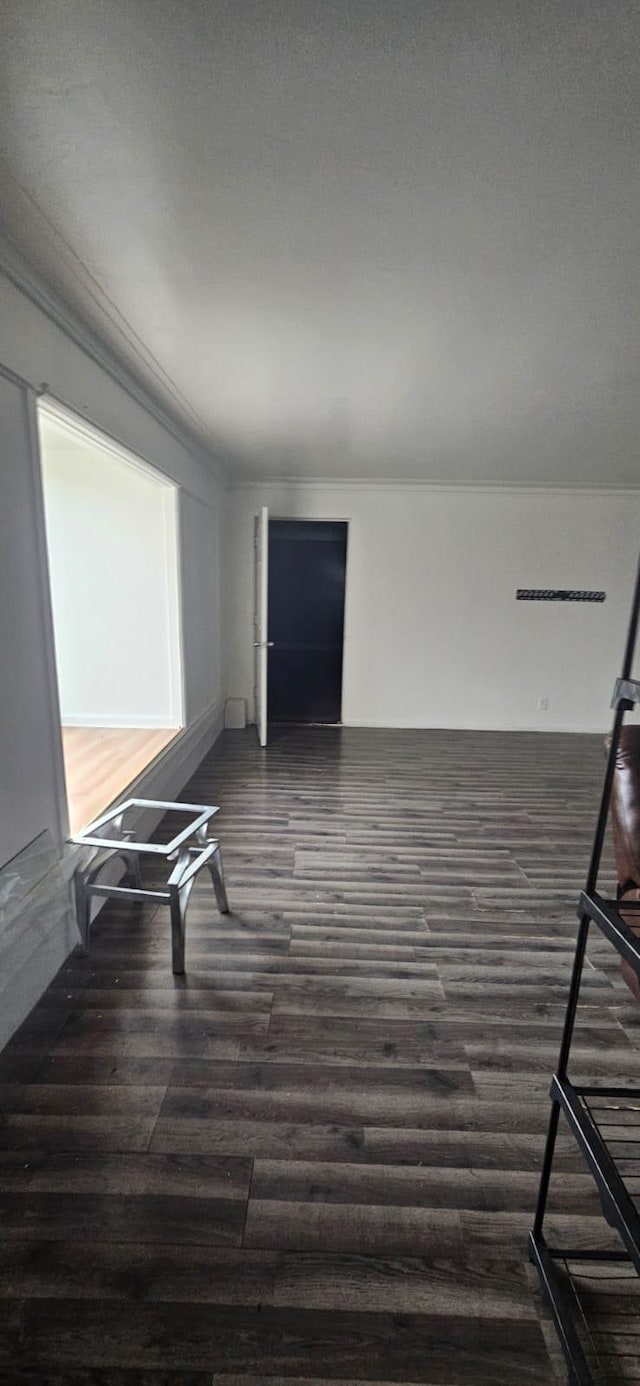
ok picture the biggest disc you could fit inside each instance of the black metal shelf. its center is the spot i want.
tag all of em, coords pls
(593, 1115)
(595, 1296)
(595, 1300)
(607, 914)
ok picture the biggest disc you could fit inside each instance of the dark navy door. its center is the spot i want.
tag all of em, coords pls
(307, 571)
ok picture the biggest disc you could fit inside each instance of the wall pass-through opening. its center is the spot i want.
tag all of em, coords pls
(306, 600)
(113, 551)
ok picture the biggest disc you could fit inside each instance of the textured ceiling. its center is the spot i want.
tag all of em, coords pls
(381, 238)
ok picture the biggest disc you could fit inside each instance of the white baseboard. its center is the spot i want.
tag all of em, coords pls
(400, 724)
(134, 720)
(457, 724)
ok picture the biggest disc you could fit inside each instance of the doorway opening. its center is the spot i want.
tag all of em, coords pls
(112, 542)
(306, 599)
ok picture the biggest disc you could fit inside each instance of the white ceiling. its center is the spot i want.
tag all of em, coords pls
(360, 238)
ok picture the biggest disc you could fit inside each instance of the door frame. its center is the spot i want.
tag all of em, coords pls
(261, 622)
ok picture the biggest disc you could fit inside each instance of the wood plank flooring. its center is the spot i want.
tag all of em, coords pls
(99, 763)
(315, 1158)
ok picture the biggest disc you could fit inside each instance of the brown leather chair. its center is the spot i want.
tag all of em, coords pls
(625, 819)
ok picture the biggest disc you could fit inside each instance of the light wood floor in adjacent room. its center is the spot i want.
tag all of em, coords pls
(100, 762)
(314, 1159)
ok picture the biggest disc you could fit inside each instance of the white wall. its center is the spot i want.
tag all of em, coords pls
(30, 758)
(34, 350)
(202, 599)
(433, 634)
(113, 564)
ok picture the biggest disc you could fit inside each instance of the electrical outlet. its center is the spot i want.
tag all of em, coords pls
(543, 704)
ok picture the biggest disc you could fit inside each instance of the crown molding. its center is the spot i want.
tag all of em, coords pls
(34, 287)
(386, 484)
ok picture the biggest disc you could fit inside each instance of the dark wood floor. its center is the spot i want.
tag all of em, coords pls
(315, 1158)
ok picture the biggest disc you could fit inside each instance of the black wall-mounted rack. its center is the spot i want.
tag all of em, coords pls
(558, 594)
